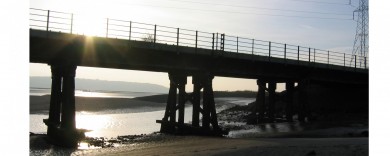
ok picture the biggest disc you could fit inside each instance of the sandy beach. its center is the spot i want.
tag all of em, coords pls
(191, 145)
(197, 145)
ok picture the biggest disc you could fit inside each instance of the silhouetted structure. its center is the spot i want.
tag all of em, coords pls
(64, 52)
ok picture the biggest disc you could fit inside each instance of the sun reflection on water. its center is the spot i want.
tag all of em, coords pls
(95, 123)
(81, 93)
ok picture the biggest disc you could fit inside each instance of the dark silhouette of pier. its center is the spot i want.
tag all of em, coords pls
(188, 53)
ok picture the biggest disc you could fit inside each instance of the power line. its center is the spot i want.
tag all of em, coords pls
(258, 8)
(238, 12)
(320, 2)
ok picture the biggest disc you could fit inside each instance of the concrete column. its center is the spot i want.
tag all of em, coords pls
(207, 96)
(206, 109)
(68, 118)
(170, 110)
(213, 111)
(260, 100)
(271, 96)
(196, 101)
(172, 99)
(209, 111)
(55, 96)
(302, 98)
(290, 97)
(182, 81)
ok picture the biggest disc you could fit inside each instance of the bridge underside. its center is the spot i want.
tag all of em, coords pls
(64, 52)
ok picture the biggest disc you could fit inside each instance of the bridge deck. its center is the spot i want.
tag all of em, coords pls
(59, 48)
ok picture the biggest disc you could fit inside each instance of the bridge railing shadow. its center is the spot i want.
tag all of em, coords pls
(56, 21)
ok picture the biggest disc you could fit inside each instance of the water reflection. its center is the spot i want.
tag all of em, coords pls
(108, 124)
(92, 122)
(89, 93)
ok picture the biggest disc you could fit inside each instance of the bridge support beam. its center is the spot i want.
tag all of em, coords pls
(209, 111)
(260, 100)
(196, 100)
(62, 122)
(271, 101)
(178, 81)
(290, 97)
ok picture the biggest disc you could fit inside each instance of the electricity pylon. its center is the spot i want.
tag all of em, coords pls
(360, 46)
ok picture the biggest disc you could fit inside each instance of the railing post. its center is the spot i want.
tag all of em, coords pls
(212, 46)
(196, 41)
(298, 53)
(130, 31)
(314, 55)
(285, 52)
(328, 57)
(237, 44)
(355, 61)
(223, 42)
(253, 46)
(155, 33)
(365, 65)
(177, 39)
(47, 21)
(216, 42)
(71, 24)
(269, 51)
(107, 28)
(309, 54)
(344, 59)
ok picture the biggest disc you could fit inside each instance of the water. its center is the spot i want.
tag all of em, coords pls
(111, 125)
(88, 93)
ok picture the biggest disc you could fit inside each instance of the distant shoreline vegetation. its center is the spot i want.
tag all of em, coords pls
(162, 98)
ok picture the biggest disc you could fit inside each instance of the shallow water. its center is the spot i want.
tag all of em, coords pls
(111, 125)
(102, 94)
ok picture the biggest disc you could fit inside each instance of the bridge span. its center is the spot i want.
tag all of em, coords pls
(222, 55)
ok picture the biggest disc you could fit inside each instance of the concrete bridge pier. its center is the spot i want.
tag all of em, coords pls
(302, 98)
(260, 101)
(209, 111)
(271, 100)
(178, 82)
(62, 122)
(289, 100)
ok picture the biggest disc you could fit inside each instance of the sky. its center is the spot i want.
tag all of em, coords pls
(323, 24)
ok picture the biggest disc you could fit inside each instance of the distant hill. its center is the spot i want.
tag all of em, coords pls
(95, 85)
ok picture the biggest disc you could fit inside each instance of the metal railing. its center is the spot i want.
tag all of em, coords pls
(123, 29)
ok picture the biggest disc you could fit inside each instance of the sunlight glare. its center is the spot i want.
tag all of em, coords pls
(80, 93)
(92, 122)
(90, 25)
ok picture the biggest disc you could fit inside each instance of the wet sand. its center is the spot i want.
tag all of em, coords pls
(195, 145)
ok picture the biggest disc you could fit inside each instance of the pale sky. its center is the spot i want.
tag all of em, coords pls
(321, 24)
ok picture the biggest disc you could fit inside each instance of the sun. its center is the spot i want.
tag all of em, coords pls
(90, 25)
